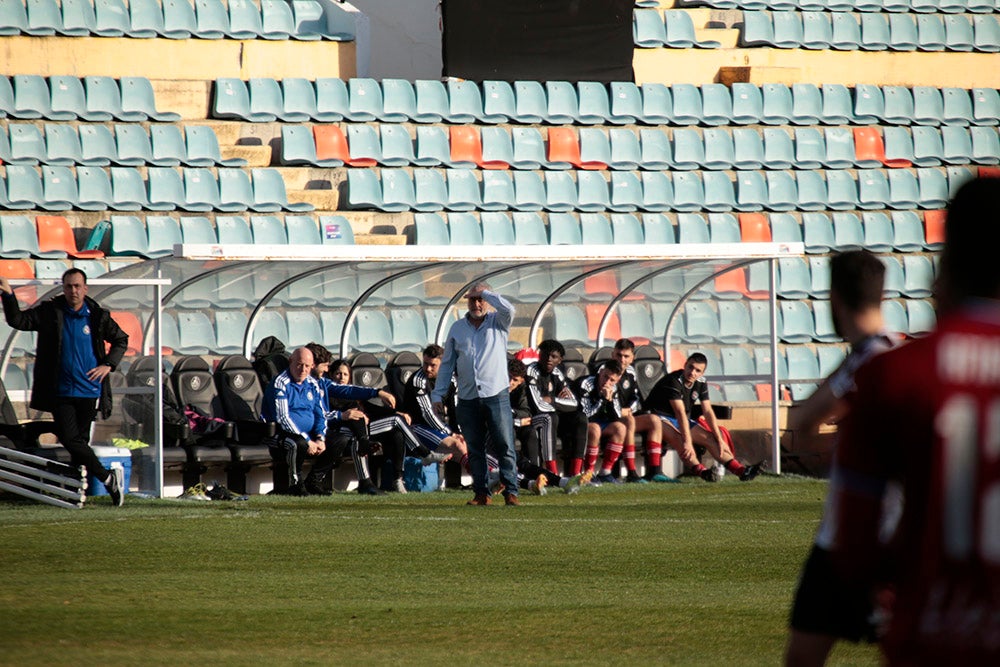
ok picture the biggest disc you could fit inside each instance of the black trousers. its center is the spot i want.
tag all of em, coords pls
(73, 418)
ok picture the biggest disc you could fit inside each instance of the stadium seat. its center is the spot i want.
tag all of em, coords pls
(595, 229)
(94, 189)
(933, 187)
(364, 146)
(751, 191)
(563, 106)
(594, 104)
(817, 30)
(687, 100)
(956, 144)
(59, 191)
(497, 191)
(681, 33)
(748, 149)
(244, 20)
(985, 145)
(464, 229)
(211, 19)
(985, 106)
(594, 149)
(625, 103)
(203, 149)
(797, 325)
(499, 104)
(167, 145)
(164, 188)
(657, 104)
(67, 99)
(657, 228)
(138, 101)
(268, 230)
(162, 232)
(298, 147)
(179, 20)
(498, 148)
(898, 145)
(626, 229)
(128, 236)
(930, 33)
(648, 29)
(231, 101)
(132, 143)
(269, 193)
(810, 148)
(688, 192)
(895, 318)
(717, 104)
(848, 233)
(987, 34)
(529, 229)
(78, 18)
(111, 18)
(498, 229)
(201, 190)
(465, 103)
(837, 105)
(19, 237)
(719, 151)
(757, 30)
(920, 317)
(928, 148)
(592, 192)
(689, 149)
(779, 152)
(564, 229)
(877, 231)
(27, 147)
(692, 228)
(873, 189)
(806, 104)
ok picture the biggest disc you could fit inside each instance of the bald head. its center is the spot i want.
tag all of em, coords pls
(300, 364)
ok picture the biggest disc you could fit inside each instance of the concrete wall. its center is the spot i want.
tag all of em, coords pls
(405, 38)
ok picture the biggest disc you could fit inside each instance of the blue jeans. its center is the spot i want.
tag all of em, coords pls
(491, 416)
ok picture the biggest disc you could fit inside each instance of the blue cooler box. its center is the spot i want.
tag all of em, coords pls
(419, 477)
(110, 456)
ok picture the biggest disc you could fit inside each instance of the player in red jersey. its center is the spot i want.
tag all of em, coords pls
(928, 415)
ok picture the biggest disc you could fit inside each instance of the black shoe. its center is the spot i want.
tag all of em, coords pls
(316, 488)
(370, 489)
(115, 486)
(633, 478)
(708, 474)
(219, 492)
(749, 472)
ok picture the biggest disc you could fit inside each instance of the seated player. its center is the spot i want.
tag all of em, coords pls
(555, 410)
(348, 411)
(430, 429)
(600, 404)
(673, 398)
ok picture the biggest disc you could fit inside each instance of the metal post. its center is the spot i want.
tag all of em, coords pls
(772, 282)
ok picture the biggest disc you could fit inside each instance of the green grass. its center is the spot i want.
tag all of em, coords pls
(680, 574)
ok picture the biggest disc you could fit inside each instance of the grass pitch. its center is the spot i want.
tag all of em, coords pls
(684, 574)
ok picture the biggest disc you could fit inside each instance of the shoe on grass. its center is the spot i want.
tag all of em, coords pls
(196, 492)
(399, 486)
(481, 500)
(633, 478)
(607, 478)
(749, 472)
(574, 483)
(220, 492)
(511, 500)
(709, 475)
(660, 478)
(537, 486)
(369, 489)
(115, 485)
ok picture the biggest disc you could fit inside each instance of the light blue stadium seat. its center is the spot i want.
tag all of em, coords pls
(595, 229)
(875, 32)
(956, 145)
(840, 151)
(498, 148)
(626, 229)
(20, 239)
(399, 101)
(499, 103)
(918, 271)
(657, 191)
(201, 190)
(203, 149)
(94, 189)
(269, 193)
(432, 104)
(933, 185)
(128, 236)
(688, 192)
(701, 322)
(364, 142)
(873, 189)
(930, 33)
(529, 191)
(898, 144)
(928, 147)
(278, 22)
(162, 233)
(564, 229)
(782, 191)
(751, 191)
(806, 106)
(625, 103)
(811, 189)
(719, 150)
(268, 230)
(235, 192)
(570, 325)
(817, 233)
(230, 326)
(636, 321)
(233, 229)
(877, 232)
(497, 228)
(928, 105)
(908, 231)
(626, 191)
(24, 188)
(111, 18)
(894, 277)
(334, 230)
(804, 366)
(59, 190)
(785, 228)
(13, 18)
(899, 105)
(363, 189)
(244, 20)
(841, 190)
(985, 145)
(775, 103)
(987, 34)
(592, 192)
(298, 100)
(265, 99)
(723, 228)
(197, 229)
(132, 144)
(594, 104)
(528, 148)
(717, 104)
(595, 148)
(530, 103)
(689, 149)
(298, 148)
(302, 230)
(560, 192)
(787, 29)
(734, 328)
(31, 98)
(529, 229)
(145, 19)
(463, 190)
(869, 104)
(430, 190)
(957, 177)
(67, 99)
(657, 104)
(958, 33)
(894, 316)
(985, 106)
(196, 335)
(794, 278)
(692, 228)
(465, 102)
(432, 145)
(167, 145)
(819, 277)
(779, 151)
(164, 188)
(27, 147)
(625, 150)
(903, 34)
(43, 18)
(398, 193)
(77, 18)
(748, 148)
(657, 228)
(563, 106)
(760, 326)
(797, 324)
(757, 29)
(497, 191)
(825, 330)
(409, 333)
(920, 317)
(179, 20)
(681, 34)
(687, 104)
(397, 146)
(269, 323)
(332, 100)
(810, 148)
(838, 107)
(655, 151)
(648, 29)
(211, 19)
(848, 233)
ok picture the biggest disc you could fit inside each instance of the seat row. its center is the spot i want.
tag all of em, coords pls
(900, 231)
(871, 32)
(915, 6)
(123, 145)
(92, 98)
(622, 149)
(124, 189)
(672, 28)
(584, 103)
(424, 190)
(182, 19)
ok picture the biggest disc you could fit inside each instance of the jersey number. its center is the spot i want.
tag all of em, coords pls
(958, 424)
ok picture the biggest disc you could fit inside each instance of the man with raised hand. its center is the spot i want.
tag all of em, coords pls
(476, 353)
(72, 367)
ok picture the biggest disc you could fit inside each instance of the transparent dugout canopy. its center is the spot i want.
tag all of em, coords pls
(224, 299)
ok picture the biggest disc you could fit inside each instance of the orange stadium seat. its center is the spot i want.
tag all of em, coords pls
(564, 147)
(934, 228)
(130, 324)
(56, 236)
(989, 172)
(595, 311)
(869, 151)
(20, 269)
(331, 144)
(754, 228)
(466, 146)
(732, 283)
